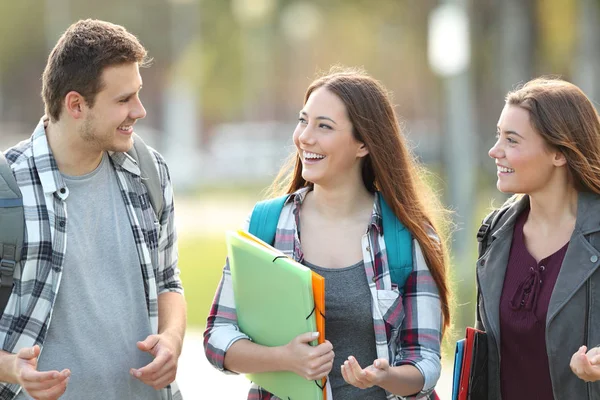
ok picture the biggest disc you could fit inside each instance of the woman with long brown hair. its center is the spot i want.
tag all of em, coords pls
(538, 277)
(383, 341)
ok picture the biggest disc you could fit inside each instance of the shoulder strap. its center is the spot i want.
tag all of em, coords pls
(12, 222)
(140, 153)
(488, 224)
(264, 218)
(398, 245)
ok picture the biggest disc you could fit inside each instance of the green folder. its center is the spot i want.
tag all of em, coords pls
(274, 303)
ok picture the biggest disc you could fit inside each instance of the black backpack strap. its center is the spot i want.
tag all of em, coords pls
(12, 224)
(142, 155)
(483, 237)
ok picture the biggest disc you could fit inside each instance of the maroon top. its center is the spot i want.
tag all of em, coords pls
(528, 285)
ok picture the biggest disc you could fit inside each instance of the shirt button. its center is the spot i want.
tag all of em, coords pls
(594, 258)
(61, 224)
(368, 248)
(374, 279)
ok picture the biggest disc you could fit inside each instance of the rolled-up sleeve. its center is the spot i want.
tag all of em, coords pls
(421, 331)
(222, 328)
(167, 279)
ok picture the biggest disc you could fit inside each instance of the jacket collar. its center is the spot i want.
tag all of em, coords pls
(580, 261)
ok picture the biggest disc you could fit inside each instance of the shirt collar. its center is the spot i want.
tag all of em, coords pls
(50, 176)
(47, 169)
(376, 221)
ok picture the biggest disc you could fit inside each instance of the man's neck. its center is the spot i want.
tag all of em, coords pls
(73, 156)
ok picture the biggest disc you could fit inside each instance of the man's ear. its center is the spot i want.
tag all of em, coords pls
(75, 105)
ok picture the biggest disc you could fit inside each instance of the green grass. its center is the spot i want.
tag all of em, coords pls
(201, 261)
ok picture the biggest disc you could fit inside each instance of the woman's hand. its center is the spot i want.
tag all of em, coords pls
(373, 375)
(311, 362)
(586, 365)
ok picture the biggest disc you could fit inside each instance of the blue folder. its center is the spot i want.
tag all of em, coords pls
(458, 361)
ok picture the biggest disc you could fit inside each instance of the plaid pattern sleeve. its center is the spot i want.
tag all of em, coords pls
(221, 326)
(27, 316)
(420, 333)
(167, 275)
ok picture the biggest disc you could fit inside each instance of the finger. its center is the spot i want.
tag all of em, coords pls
(53, 393)
(324, 348)
(595, 360)
(382, 364)
(355, 369)
(323, 358)
(168, 369)
(155, 366)
(349, 379)
(31, 375)
(351, 376)
(29, 353)
(163, 382)
(307, 337)
(370, 375)
(45, 385)
(321, 372)
(148, 343)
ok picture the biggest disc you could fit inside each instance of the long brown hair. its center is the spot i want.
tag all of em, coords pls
(389, 168)
(567, 120)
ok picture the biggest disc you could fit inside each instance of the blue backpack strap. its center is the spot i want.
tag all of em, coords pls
(398, 244)
(264, 218)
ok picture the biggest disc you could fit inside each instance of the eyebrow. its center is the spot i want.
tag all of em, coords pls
(510, 133)
(126, 95)
(320, 117)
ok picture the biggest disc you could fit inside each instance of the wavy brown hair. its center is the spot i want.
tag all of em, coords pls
(567, 120)
(389, 168)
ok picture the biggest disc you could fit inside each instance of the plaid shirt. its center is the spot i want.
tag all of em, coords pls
(37, 277)
(407, 328)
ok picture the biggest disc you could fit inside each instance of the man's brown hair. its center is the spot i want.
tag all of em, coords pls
(78, 59)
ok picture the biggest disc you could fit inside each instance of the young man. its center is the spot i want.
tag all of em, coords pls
(97, 308)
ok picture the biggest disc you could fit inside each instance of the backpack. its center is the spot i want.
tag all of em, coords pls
(12, 219)
(398, 240)
(483, 237)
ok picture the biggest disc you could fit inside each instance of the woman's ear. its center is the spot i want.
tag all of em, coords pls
(559, 159)
(362, 150)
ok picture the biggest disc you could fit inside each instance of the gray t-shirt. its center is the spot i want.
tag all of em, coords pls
(100, 310)
(349, 326)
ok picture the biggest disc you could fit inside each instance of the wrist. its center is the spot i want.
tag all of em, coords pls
(175, 338)
(282, 356)
(8, 367)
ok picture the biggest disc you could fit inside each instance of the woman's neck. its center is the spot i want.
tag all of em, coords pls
(555, 206)
(340, 202)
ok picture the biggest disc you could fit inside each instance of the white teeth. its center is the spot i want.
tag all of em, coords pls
(125, 128)
(505, 170)
(313, 155)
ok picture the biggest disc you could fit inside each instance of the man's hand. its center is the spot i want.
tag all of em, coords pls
(48, 385)
(586, 365)
(373, 375)
(162, 370)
